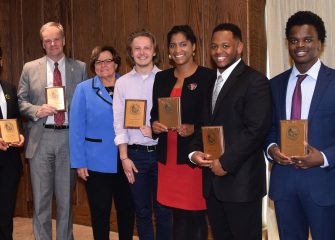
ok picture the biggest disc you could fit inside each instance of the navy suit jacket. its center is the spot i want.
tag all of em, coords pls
(91, 128)
(321, 135)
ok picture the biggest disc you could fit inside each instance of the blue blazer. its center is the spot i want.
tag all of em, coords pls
(91, 128)
(321, 135)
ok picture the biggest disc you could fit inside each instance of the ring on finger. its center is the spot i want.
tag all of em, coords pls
(299, 161)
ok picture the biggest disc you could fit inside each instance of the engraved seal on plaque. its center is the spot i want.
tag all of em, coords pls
(292, 132)
(9, 127)
(211, 139)
(168, 107)
(135, 109)
(54, 94)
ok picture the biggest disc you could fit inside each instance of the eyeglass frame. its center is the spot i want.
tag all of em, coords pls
(103, 62)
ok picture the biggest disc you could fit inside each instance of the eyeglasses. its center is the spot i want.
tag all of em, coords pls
(101, 62)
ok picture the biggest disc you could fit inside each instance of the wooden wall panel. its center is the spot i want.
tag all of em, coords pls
(88, 23)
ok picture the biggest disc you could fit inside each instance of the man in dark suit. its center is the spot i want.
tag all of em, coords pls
(302, 187)
(47, 133)
(240, 101)
(10, 162)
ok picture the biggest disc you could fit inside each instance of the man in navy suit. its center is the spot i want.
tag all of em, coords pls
(302, 187)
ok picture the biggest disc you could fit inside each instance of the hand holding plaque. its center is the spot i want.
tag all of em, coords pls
(9, 130)
(213, 141)
(135, 113)
(55, 97)
(169, 111)
(293, 135)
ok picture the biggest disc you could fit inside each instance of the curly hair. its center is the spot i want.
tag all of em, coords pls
(306, 17)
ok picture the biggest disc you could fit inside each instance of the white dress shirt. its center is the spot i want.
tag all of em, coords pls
(3, 103)
(50, 83)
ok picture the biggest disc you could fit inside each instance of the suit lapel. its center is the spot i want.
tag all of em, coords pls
(101, 91)
(321, 86)
(228, 84)
(42, 65)
(282, 94)
(68, 76)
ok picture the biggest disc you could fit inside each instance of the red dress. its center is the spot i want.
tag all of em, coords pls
(179, 185)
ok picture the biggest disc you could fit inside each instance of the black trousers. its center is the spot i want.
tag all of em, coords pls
(10, 172)
(189, 224)
(235, 220)
(101, 188)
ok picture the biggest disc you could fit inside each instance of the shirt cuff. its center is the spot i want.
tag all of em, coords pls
(190, 157)
(325, 161)
(267, 150)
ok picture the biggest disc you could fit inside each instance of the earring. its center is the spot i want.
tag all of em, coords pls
(170, 57)
(193, 54)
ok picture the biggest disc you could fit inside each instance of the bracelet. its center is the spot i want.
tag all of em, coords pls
(122, 159)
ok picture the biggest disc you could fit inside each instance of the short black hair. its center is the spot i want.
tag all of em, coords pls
(306, 17)
(184, 29)
(99, 49)
(229, 27)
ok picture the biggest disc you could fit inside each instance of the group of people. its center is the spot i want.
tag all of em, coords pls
(165, 172)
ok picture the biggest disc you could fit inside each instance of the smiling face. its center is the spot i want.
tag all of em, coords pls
(304, 46)
(53, 42)
(105, 66)
(181, 49)
(142, 51)
(225, 49)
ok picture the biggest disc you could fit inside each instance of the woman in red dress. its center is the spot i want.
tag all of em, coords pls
(179, 181)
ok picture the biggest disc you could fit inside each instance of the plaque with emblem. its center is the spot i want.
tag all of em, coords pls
(293, 135)
(55, 97)
(9, 130)
(213, 141)
(135, 113)
(169, 111)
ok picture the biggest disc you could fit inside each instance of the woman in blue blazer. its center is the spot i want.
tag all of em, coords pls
(92, 149)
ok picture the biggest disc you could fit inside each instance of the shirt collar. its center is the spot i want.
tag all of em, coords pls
(228, 71)
(51, 63)
(312, 72)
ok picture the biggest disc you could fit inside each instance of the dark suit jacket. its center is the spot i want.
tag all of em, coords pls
(243, 108)
(191, 102)
(11, 156)
(321, 135)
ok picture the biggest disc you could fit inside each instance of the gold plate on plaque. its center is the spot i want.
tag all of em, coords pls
(9, 130)
(55, 97)
(135, 113)
(213, 141)
(169, 111)
(293, 135)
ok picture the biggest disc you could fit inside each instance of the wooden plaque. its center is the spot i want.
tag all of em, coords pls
(9, 130)
(135, 113)
(169, 111)
(55, 96)
(213, 141)
(293, 135)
